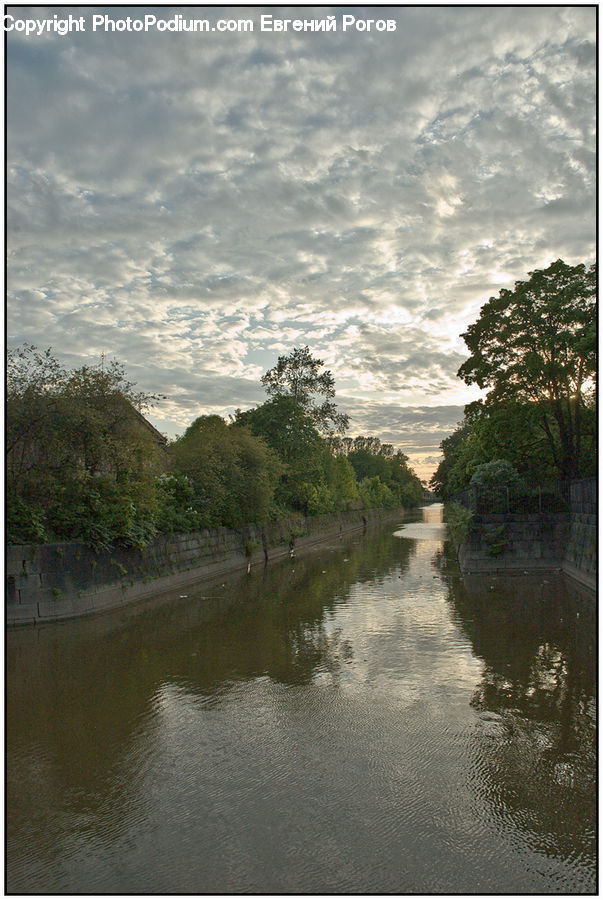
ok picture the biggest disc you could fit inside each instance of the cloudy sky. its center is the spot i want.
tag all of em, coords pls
(195, 205)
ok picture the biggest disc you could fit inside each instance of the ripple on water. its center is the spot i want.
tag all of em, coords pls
(324, 741)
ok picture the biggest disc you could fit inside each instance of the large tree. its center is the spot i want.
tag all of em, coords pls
(299, 376)
(537, 344)
(289, 430)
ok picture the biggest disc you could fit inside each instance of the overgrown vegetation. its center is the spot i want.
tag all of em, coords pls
(80, 463)
(84, 464)
(459, 521)
(496, 540)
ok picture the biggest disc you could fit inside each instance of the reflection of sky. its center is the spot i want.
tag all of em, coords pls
(422, 531)
(400, 628)
(382, 746)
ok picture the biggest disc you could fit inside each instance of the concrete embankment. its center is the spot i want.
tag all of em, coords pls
(52, 582)
(563, 542)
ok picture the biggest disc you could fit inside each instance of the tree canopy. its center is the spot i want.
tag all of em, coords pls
(83, 463)
(233, 473)
(298, 375)
(536, 344)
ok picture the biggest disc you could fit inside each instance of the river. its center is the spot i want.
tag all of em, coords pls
(356, 720)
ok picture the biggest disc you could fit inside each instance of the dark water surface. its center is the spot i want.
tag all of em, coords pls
(356, 720)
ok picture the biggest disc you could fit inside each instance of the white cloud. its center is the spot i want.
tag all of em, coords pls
(187, 201)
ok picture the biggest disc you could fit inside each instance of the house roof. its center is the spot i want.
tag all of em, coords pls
(159, 437)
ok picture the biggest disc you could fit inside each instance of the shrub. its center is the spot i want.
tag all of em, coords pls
(24, 523)
(459, 521)
(499, 483)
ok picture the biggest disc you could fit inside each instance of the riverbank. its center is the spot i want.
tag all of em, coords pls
(53, 582)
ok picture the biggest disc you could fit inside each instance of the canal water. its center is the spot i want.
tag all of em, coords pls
(357, 720)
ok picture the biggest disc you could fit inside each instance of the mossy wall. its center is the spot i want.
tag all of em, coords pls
(567, 542)
(59, 581)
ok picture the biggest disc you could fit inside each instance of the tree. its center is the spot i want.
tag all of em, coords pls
(537, 344)
(367, 458)
(299, 376)
(343, 484)
(506, 430)
(371, 459)
(233, 472)
(80, 463)
(403, 481)
(289, 430)
(461, 453)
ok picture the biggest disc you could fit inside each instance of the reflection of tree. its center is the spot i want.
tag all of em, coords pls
(535, 745)
(78, 693)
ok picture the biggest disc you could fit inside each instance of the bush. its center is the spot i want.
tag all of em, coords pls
(498, 473)
(459, 521)
(496, 540)
(175, 505)
(100, 512)
(24, 523)
(500, 484)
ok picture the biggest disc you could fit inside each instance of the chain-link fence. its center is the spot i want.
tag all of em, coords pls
(549, 498)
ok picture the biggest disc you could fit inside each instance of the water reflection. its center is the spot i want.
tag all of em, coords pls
(70, 682)
(358, 719)
(534, 748)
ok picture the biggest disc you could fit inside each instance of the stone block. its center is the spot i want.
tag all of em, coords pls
(55, 609)
(22, 614)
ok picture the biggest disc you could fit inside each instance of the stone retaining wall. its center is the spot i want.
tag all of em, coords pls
(65, 580)
(580, 559)
(517, 543)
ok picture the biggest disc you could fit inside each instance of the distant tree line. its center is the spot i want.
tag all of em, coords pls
(534, 348)
(84, 464)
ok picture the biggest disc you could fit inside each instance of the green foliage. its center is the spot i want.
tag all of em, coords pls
(84, 465)
(233, 473)
(459, 521)
(376, 495)
(101, 512)
(454, 471)
(403, 482)
(496, 540)
(80, 463)
(290, 431)
(499, 484)
(24, 523)
(536, 345)
(299, 377)
(367, 464)
(285, 426)
(371, 459)
(176, 513)
(512, 431)
(342, 482)
(497, 473)
(318, 499)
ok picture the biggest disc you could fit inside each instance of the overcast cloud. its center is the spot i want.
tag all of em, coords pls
(195, 205)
